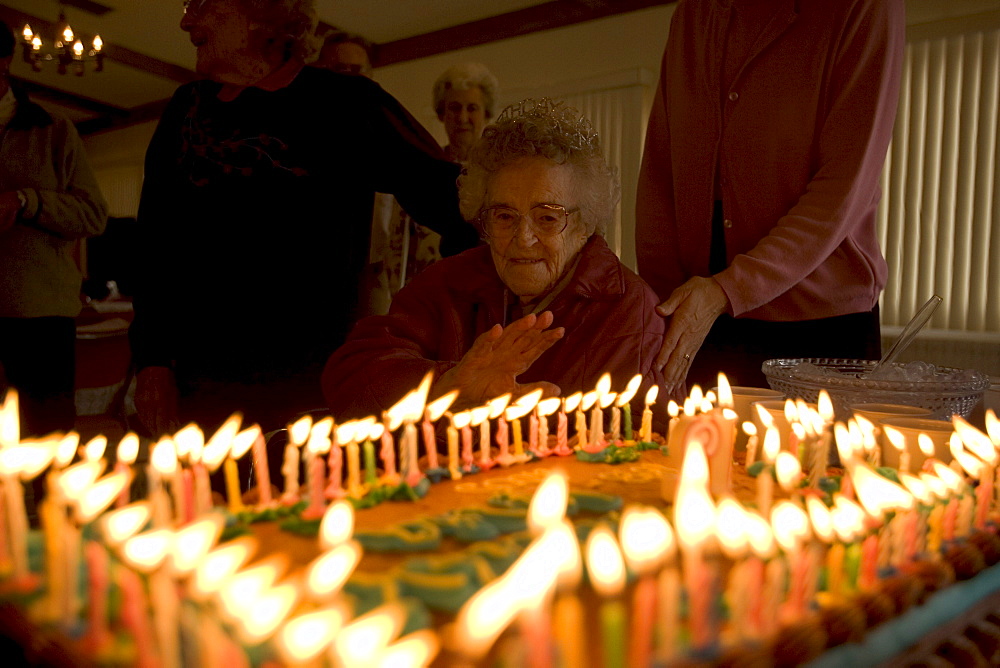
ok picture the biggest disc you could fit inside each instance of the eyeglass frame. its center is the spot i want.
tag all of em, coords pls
(194, 6)
(556, 208)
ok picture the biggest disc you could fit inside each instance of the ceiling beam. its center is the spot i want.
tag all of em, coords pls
(119, 54)
(546, 16)
(150, 111)
(69, 99)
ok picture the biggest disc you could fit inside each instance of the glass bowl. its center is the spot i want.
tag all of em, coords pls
(946, 392)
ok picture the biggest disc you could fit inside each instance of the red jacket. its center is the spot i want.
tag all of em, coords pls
(800, 136)
(606, 309)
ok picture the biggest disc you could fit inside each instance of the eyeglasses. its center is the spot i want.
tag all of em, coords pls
(547, 220)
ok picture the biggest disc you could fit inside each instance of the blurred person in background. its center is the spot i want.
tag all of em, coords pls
(49, 201)
(255, 217)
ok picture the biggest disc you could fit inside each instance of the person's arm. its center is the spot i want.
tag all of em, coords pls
(852, 144)
(76, 211)
(409, 164)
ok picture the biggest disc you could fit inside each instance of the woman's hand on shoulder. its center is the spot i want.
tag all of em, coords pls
(498, 356)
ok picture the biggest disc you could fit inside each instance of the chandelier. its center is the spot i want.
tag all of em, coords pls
(66, 48)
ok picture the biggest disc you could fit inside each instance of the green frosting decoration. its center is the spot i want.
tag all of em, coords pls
(466, 526)
(596, 502)
(505, 500)
(890, 473)
(506, 520)
(300, 526)
(439, 591)
(612, 454)
(370, 591)
(415, 536)
(754, 469)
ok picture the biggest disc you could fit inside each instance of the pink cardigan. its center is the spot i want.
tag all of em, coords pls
(801, 137)
(606, 309)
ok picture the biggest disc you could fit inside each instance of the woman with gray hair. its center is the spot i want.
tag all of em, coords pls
(464, 96)
(255, 217)
(546, 304)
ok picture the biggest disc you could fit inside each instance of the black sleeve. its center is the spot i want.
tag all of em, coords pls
(410, 165)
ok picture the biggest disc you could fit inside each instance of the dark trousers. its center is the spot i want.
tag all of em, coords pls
(38, 358)
(739, 347)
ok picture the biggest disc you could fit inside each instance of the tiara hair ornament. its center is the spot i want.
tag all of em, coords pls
(552, 118)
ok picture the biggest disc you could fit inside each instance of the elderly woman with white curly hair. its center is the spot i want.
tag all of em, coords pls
(464, 98)
(256, 217)
(545, 304)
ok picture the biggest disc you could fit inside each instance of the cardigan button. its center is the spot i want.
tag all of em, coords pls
(727, 223)
(733, 96)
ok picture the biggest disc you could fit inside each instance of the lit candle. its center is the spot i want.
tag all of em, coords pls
(681, 421)
(241, 443)
(371, 467)
(128, 450)
(623, 402)
(544, 409)
(731, 521)
(347, 438)
(525, 405)
(433, 413)
(983, 447)
(454, 466)
(263, 472)
(387, 450)
(586, 401)
(765, 479)
(480, 416)
(514, 415)
(163, 459)
(646, 430)
(607, 574)
(791, 527)
(317, 445)
(298, 435)
(647, 541)
(335, 464)
(497, 408)
(570, 404)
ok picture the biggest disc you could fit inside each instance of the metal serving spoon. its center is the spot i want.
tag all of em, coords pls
(913, 327)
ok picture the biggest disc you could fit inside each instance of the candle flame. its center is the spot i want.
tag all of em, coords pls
(766, 420)
(98, 43)
(694, 515)
(302, 639)
(696, 395)
(375, 431)
(651, 395)
(694, 468)
(220, 564)
(993, 426)
(244, 440)
(725, 392)
(760, 535)
(128, 449)
(319, 436)
(788, 470)
(95, 447)
(163, 457)
(360, 642)
(437, 408)
(530, 400)
(27, 33)
(975, 440)
(190, 441)
(821, 519)
(27, 460)
(566, 556)
(633, 386)
(772, 444)
(937, 486)
(74, 480)
(879, 495)
(845, 447)
(791, 525)
(646, 538)
(749, 428)
(926, 444)
(265, 613)
(848, 518)
(603, 384)
(347, 432)
(416, 649)
(547, 406)
(516, 412)
(917, 487)
(240, 590)
(461, 420)
(573, 401)
(479, 414)
(10, 421)
(896, 437)
(218, 446)
(791, 411)
(99, 496)
(730, 523)
(298, 431)
(328, 572)
(120, 525)
(605, 563)
(672, 409)
(691, 406)
(824, 405)
(146, 551)
(951, 479)
(66, 449)
(193, 542)
(337, 525)
(588, 401)
(548, 504)
(498, 405)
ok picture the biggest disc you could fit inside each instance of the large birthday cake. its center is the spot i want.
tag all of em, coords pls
(537, 536)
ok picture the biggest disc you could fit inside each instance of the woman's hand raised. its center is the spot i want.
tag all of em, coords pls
(498, 357)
